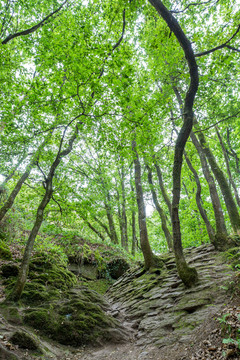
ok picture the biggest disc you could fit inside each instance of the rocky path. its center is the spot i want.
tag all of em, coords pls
(158, 317)
(165, 320)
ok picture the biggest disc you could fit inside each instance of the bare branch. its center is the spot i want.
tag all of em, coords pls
(192, 4)
(33, 28)
(221, 46)
(218, 122)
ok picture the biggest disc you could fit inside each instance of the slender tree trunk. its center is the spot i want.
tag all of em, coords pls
(134, 237)
(103, 226)
(228, 167)
(96, 231)
(162, 187)
(22, 277)
(232, 152)
(221, 230)
(124, 215)
(202, 211)
(160, 211)
(13, 171)
(23, 272)
(9, 202)
(188, 275)
(145, 245)
(108, 209)
(223, 184)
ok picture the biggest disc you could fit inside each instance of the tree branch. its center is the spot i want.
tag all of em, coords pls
(221, 46)
(33, 28)
(218, 122)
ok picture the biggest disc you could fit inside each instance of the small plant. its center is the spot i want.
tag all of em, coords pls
(230, 322)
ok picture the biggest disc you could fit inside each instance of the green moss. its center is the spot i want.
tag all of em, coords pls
(41, 319)
(73, 322)
(5, 252)
(232, 256)
(100, 285)
(24, 340)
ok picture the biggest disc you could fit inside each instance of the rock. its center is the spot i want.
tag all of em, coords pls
(25, 341)
(117, 267)
(7, 355)
(80, 319)
(9, 270)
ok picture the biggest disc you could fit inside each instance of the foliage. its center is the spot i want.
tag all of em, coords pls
(113, 69)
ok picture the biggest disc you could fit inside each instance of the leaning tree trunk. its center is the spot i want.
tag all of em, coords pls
(144, 242)
(188, 275)
(103, 226)
(201, 209)
(160, 211)
(221, 230)
(9, 202)
(11, 174)
(228, 167)
(23, 272)
(223, 184)
(162, 187)
(108, 209)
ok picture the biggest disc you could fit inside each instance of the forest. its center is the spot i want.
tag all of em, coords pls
(119, 124)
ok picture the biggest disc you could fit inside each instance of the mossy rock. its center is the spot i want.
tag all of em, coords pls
(72, 322)
(117, 267)
(9, 270)
(11, 314)
(5, 252)
(25, 341)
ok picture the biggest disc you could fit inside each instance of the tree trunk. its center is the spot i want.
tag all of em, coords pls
(103, 226)
(134, 238)
(187, 274)
(162, 187)
(232, 152)
(23, 272)
(145, 245)
(13, 171)
(8, 204)
(202, 211)
(221, 231)
(223, 184)
(160, 211)
(108, 209)
(228, 166)
(124, 215)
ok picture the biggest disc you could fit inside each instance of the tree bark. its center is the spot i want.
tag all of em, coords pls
(124, 214)
(210, 230)
(23, 272)
(9, 202)
(112, 229)
(188, 275)
(145, 245)
(223, 184)
(103, 226)
(221, 230)
(162, 187)
(160, 211)
(228, 166)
